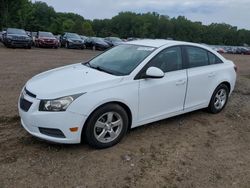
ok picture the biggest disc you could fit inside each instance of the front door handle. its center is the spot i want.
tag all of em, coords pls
(180, 82)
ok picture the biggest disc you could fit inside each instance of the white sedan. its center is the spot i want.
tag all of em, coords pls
(132, 84)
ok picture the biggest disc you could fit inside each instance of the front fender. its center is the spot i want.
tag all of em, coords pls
(126, 94)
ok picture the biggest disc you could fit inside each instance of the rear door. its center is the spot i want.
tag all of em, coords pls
(202, 72)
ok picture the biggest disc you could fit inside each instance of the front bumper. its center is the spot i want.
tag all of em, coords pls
(19, 43)
(48, 44)
(33, 120)
(76, 45)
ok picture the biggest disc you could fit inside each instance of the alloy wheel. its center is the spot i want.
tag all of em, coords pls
(108, 127)
(220, 99)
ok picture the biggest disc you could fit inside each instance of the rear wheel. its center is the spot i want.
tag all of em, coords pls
(106, 126)
(219, 99)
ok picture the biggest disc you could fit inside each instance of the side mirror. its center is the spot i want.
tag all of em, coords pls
(154, 72)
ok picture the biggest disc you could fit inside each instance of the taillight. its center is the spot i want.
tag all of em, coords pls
(235, 68)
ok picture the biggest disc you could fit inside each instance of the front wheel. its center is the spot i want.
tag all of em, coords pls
(219, 99)
(106, 126)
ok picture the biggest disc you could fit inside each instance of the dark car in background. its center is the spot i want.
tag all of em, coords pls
(72, 40)
(46, 39)
(83, 37)
(113, 41)
(243, 50)
(96, 43)
(16, 38)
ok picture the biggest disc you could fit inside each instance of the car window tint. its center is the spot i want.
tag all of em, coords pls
(168, 60)
(213, 59)
(197, 57)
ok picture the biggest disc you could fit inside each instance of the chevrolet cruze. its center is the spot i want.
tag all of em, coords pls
(127, 86)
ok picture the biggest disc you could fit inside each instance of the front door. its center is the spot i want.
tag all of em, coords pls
(163, 96)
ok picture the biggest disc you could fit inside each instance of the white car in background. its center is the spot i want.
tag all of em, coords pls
(127, 86)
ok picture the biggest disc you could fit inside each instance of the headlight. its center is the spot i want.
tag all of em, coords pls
(57, 105)
(69, 40)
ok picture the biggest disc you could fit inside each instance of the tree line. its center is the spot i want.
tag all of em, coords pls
(39, 16)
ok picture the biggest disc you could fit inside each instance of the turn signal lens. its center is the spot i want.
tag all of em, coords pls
(73, 129)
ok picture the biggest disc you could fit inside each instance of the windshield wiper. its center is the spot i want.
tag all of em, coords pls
(86, 64)
(102, 69)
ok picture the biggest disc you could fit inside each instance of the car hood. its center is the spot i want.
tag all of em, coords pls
(75, 39)
(69, 80)
(18, 35)
(102, 43)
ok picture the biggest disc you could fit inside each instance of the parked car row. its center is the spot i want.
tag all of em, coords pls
(12, 37)
(232, 49)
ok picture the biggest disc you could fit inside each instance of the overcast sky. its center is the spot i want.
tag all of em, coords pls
(234, 12)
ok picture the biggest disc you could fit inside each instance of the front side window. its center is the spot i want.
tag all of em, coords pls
(168, 60)
(197, 57)
(122, 59)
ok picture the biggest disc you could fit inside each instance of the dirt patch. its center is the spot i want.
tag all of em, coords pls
(197, 149)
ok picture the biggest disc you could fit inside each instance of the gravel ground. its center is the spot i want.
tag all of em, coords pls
(197, 149)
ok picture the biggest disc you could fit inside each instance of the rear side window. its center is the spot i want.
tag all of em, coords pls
(168, 60)
(197, 57)
(213, 59)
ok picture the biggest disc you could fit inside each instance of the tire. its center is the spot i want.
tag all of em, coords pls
(219, 99)
(99, 131)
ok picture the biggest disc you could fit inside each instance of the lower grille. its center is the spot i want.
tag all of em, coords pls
(24, 104)
(51, 132)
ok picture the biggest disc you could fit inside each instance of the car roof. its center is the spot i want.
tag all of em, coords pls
(156, 43)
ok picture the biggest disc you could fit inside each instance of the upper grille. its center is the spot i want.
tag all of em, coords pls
(19, 38)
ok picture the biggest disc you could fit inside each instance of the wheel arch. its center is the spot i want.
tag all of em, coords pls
(123, 105)
(227, 84)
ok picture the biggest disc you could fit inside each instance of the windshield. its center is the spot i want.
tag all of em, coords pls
(16, 31)
(73, 35)
(45, 34)
(121, 60)
(97, 39)
(115, 39)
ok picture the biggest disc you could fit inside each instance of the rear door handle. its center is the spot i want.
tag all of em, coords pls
(211, 74)
(180, 82)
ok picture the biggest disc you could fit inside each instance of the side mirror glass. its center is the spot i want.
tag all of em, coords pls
(154, 72)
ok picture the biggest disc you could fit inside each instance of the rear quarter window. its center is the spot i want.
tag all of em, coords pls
(213, 59)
